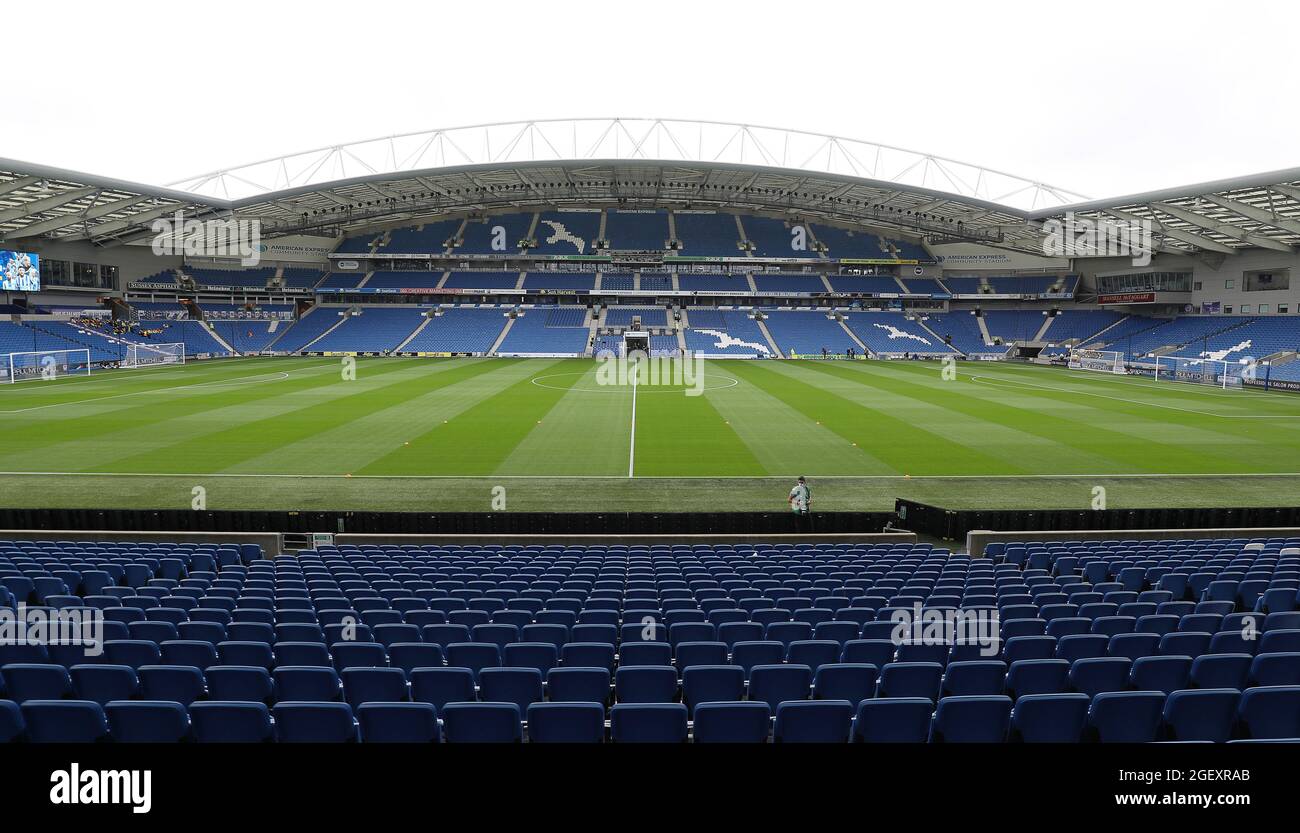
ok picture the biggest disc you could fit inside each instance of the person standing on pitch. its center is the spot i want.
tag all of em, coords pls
(800, 499)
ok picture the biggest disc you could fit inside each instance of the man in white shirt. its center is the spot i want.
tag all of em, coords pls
(800, 498)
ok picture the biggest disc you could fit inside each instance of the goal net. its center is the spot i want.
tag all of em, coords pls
(1102, 361)
(153, 355)
(1217, 372)
(46, 365)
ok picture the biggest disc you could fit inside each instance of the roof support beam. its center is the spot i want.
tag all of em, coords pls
(1200, 241)
(1219, 227)
(1287, 191)
(18, 184)
(1255, 213)
(141, 219)
(56, 223)
(47, 204)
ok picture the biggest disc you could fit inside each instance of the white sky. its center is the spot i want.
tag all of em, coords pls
(1103, 98)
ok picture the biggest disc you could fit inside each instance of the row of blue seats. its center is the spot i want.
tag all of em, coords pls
(849, 677)
(1208, 715)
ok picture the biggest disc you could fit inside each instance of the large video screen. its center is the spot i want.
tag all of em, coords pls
(19, 272)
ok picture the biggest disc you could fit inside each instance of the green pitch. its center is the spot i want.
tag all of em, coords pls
(440, 434)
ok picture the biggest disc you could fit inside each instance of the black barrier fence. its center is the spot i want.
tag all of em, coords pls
(953, 524)
(446, 523)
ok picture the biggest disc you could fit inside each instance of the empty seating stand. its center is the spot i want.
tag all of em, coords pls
(1093, 642)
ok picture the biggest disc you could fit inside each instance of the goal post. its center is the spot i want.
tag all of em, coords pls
(1228, 375)
(1102, 361)
(46, 365)
(154, 355)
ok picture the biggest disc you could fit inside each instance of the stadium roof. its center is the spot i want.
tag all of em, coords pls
(637, 163)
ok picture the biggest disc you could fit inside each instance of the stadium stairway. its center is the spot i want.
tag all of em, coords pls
(501, 337)
(845, 325)
(399, 348)
(218, 338)
(762, 327)
(984, 329)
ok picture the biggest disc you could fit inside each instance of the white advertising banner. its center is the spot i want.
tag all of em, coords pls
(961, 256)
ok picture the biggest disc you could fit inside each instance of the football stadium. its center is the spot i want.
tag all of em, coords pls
(622, 430)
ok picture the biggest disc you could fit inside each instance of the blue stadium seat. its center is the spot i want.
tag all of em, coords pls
(1103, 674)
(813, 721)
(588, 655)
(65, 721)
(36, 681)
(542, 656)
(877, 652)
(481, 723)
(176, 683)
(473, 655)
(973, 719)
(1125, 716)
(1049, 718)
(298, 722)
(1081, 646)
(308, 683)
(440, 686)
(398, 723)
(373, 685)
(12, 727)
(849, 681)
(1036, 676)
(910, 680)
(1221, 671)
(200, 655)
(240, 683)
(103, 683)
(815, 653)
(566, 723)
(300, 654)
(776, 684)
(578, 685)
(147, 721)
(1167, 674)
(645, 684)
(1275, 669)
(732, 722)
(1206, 714)
(711, 684)
(645, 654)
(893, 720)
(217, 721)
(687, 654)
(648, 723)
(132, 652)
(1264, 712)
(749, 654)
(358, 655)
(521, 686)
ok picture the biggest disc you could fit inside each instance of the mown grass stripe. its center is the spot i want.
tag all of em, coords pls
(906, 447)
(477, 441)
(302, 417)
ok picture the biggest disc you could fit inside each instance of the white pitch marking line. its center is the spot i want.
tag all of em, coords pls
(631, 445)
